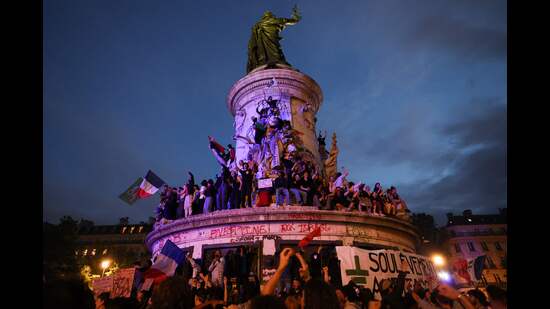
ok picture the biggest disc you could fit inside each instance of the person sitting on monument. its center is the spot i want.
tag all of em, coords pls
(389, 207)
(365, 199)
(280, 184)
(294, 188)
(306, 185)
(353, 196)
(339, 200)
(401, 207)
(377, 194)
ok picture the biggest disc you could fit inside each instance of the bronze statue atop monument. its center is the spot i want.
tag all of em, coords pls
(264, 45)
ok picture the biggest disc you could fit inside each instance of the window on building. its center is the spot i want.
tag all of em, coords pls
(471, 246)
(93, 252)
(76, 252)
(483, 279)
(484, 246)
(140, 229)
(123, 230)
(132, 229)
(457, 248)
(497, 245)
(85, 252)
(104, 252)
(503, 262)
(490, 263)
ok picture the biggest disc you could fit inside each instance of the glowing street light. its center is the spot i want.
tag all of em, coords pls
(105, 264)
(444, 276)
(438, 260)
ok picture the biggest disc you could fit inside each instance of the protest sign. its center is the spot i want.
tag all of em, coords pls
(101, 285)
(264, 183)
(369, 267)
(123, 281)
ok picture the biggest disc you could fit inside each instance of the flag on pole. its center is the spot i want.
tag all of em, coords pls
(215, 145)
(309, 237)
(475, 267)
(131, 194)
(166, 263)
(150, 185)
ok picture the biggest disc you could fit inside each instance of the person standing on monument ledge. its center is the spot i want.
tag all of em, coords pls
(264, 46)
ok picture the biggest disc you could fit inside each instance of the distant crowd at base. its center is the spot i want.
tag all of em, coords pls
(295, 185)
(309, 290)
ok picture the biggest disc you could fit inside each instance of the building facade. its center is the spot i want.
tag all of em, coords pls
(123, 244)
(470, 236)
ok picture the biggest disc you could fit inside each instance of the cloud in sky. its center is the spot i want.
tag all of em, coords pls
(477, 176)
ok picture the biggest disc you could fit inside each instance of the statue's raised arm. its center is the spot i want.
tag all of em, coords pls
(264, 46)
(294, 19)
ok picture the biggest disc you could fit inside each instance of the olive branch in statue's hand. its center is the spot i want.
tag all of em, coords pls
(295, 12)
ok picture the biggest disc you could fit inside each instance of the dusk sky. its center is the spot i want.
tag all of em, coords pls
(415, 91)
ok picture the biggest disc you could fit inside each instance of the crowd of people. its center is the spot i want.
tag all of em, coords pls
(298, 183)
(230, 282)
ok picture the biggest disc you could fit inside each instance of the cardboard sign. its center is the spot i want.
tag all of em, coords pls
(123, 281)
(264, 183)
(101, 285)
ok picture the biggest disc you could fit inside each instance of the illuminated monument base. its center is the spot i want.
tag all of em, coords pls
(268, 229)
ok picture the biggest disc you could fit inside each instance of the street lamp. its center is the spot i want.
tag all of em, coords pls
(105, 264)
(438, 260)
(444, 276)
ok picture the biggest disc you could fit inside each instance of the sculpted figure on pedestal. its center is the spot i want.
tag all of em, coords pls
(264, 46)
(331, 162)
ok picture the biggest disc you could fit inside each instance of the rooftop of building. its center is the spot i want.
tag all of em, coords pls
(115, 229)
(468, 218)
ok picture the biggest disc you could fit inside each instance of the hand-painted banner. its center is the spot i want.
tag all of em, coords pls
(369, 267)
(123, 281)
(101, 285)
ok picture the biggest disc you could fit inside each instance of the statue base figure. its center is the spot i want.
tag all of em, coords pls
(274, 112)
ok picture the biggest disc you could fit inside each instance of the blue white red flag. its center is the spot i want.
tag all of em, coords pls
(166, 263)
(475, 267)
(150, 185)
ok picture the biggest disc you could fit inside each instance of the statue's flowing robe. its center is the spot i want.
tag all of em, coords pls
(264, 46)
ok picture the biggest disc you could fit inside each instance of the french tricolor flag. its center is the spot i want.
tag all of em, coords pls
(166, 263)
(150, 185)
